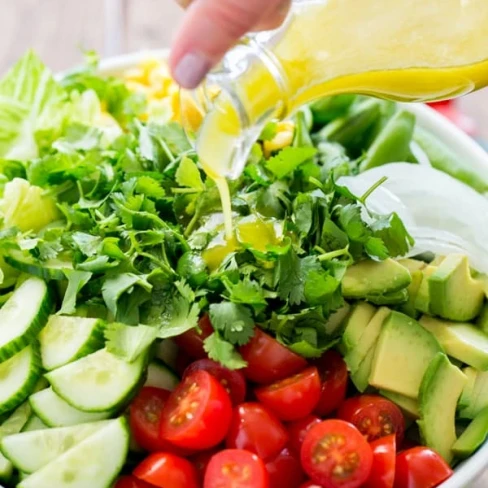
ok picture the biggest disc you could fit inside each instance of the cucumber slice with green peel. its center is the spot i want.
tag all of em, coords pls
(160, 375)
(34, 423)
(167, 351)
(30, 451)
(23, 316)
(93, 463)
(99, 382)
(66, 339)
(55, 412)
(47, 270)
(6, 469)
(18, 378)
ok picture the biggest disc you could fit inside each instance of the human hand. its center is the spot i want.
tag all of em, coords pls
(211, 27)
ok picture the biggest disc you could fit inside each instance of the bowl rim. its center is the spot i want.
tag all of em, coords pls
(460, 143)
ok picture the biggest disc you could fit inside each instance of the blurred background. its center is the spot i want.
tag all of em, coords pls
(59, 29)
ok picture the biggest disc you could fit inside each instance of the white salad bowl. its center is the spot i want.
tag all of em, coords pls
(461, 145)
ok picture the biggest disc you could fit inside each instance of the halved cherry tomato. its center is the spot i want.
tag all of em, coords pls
(336, 455)
(294, 397)
(145, 417)
(257, 430)
(191, 342)
(131, 482)
(333, 373)
(285, 471)
(383, 471)
(236, 468)
(374, 416)
(269, 361)
(420, 467)
(298, 430)
(165, 470)
(233, 381)
(197, 414)
(310, 484)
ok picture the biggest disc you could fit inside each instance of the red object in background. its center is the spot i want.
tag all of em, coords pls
(449, 109)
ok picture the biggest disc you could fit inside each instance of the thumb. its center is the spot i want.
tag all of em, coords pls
(210, 28)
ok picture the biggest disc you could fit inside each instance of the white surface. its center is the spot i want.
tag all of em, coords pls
(466, 474)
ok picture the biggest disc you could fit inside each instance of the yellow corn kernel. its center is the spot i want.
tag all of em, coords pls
(147, 66)
(285, 132)
(135, 75)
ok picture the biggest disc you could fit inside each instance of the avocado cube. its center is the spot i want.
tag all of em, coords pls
(403, 353)
(360, 377)
(422, 298)
(472, 438)
(412, 264)
(479, 397)
(454, 294)
(356, 324)
(482, 321)
(462, 341)
(467, 396)
(439, 393)
(408, 406)
(371, 278)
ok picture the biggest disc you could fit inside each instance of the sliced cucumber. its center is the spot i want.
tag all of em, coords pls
(23, 316)
(160, 376)
(66, 339)
(55, 412)
(47, 270)
(18, 378)
(6, 469)
(167, 351)
(93, 463)
(99, 382)
(30, 451)
(34, 423)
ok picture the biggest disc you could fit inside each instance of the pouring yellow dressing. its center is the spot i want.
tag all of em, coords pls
(413, 51)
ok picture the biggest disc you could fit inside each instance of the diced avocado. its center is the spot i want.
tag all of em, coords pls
(368, 278)
(467, 395)
(412, 264)
(422, 299)
(360, 378)
(439, 393)
(437, 260)
(395, 298)
(412, 291)
(462, 341)
(472, 438)
(354, 356)
(479, 397)
(356, 324)
(482, 321)
(403, 353)
(408, 406)
(337, 320)
(454, 294)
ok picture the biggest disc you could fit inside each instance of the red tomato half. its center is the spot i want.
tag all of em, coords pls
(310, 484)
(383, 471)
(131, 482)
(292, 398)
(257, 430)
(336, 455)
(374, 416)
(285, 471)
(166, 470)
(420, 467)
(235, 468)
(197, 414)
(145, 417)
(298, 430)
(191, 342)
(233, 381)
(269, 361)
(333, 373)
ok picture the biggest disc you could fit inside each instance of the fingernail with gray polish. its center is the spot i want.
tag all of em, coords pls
(191, 70)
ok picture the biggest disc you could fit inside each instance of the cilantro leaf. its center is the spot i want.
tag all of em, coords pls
(248, 292)
(179, 317)
(115, 286)
(129, 342)
(76, 281)
(150, 187)
(188, 175)
(391, 230)
(223, 352)
(375, 248)
(86, 243)
(352, 223)
(288, 160)
(233, 321)
(290, 278)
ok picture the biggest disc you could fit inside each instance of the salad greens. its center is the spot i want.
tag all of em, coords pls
(108, 207)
